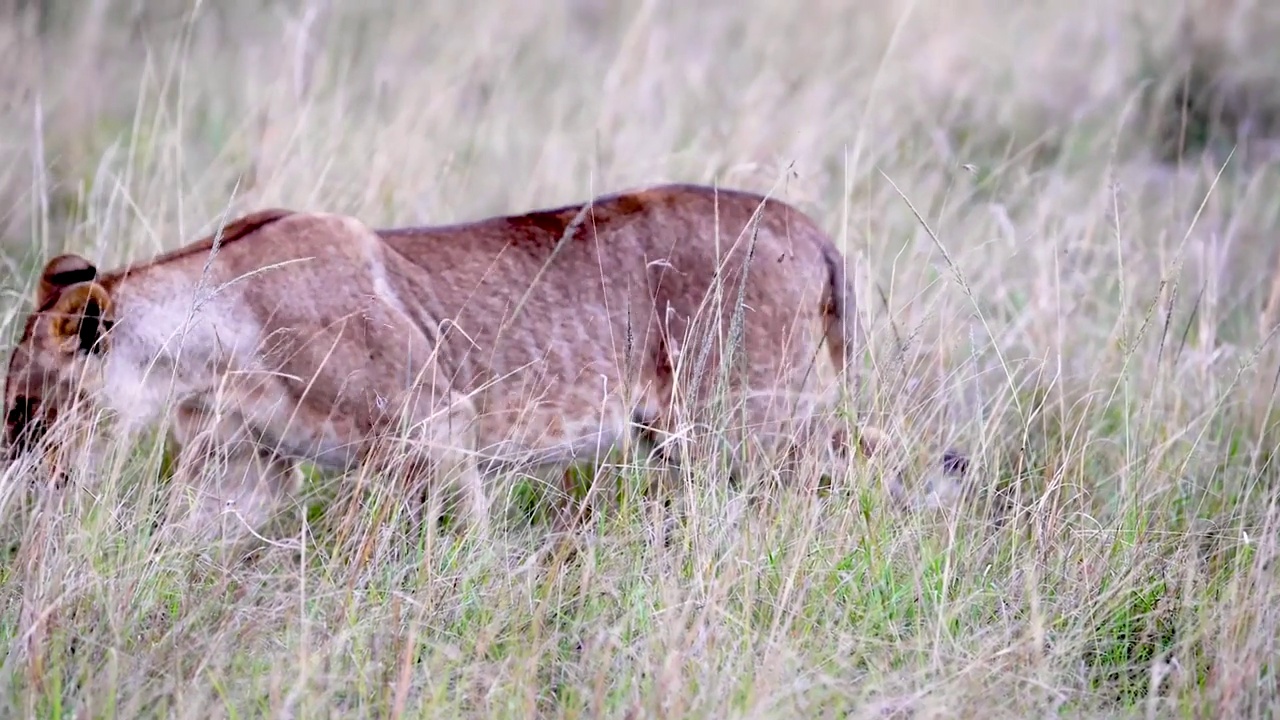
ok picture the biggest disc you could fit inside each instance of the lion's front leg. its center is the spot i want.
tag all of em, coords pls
(229, 485)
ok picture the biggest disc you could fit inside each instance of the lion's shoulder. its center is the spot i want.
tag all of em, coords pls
(231, 232)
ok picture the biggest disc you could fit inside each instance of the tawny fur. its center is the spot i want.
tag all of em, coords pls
(540, 338)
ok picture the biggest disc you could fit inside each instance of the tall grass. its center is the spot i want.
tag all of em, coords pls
(1064, 264)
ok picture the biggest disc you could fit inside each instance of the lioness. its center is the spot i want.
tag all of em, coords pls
(543, 338)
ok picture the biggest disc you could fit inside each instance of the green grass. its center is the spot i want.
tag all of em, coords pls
(1046, 286)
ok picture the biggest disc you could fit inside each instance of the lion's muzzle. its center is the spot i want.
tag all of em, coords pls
(23, 427)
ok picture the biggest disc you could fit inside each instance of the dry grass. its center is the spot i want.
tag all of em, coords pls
(1047, 284)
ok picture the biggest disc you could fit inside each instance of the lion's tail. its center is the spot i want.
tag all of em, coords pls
(844, 331)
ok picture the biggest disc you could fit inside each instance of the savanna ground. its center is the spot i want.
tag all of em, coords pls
(1065, 215)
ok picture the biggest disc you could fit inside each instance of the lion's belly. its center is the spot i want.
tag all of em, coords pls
(564, 386)
(560, 410)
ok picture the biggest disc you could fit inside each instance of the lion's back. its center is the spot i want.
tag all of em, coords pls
(621, 238)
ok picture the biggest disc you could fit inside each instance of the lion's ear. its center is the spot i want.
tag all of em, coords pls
(61, 273)
(81, 313)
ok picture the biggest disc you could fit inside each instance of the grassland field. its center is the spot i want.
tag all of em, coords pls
(1065, 219)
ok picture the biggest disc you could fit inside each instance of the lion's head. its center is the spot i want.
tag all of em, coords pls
(68, 327)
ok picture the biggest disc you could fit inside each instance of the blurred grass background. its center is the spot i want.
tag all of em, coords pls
(1065, 214)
